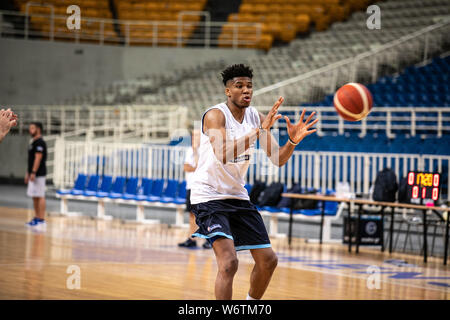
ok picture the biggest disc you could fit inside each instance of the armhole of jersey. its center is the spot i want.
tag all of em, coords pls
(203, 117)
(258, 116)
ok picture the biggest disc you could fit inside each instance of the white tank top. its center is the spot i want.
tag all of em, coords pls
(213, 180)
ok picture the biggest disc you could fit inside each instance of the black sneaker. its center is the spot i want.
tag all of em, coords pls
(207, 245)
(189, 243)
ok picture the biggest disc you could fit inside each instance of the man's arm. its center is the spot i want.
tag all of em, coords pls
(280, 155)
(36, 164)
(226, 149)
(188, 168)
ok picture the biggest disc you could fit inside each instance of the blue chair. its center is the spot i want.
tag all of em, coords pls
(78, 188)
(144, 190)
(170, 191)
(131, 189)
(331, 207)
(248, 187)
(313, 212)
(157, 189)
(92, 186)
(117, 188)
(270, 209)
(181, 194)
(105, 187)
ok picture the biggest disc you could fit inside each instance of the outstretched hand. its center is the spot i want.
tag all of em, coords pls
(297, 132)
(272, 116)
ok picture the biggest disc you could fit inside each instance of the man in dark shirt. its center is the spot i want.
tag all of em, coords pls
(35, 176)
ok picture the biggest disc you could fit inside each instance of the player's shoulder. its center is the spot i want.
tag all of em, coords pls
(214, 113)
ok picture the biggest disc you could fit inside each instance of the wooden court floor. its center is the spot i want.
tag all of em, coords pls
(112, 260)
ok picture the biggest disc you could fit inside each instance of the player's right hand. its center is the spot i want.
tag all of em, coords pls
(272, 116)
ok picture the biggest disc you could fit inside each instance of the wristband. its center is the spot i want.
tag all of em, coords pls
(292, 142)
(33, 172)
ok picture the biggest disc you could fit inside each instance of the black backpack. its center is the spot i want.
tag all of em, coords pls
(386, 186)
(256, 190)
(286, 202)
(403, 195)
(271, 195)
(306, 203)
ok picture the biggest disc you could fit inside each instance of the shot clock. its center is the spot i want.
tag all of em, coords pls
(424, 187)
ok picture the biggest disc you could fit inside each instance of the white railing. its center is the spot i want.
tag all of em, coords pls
(320, 170)
(365, 67)
(103, 123)
(162, 120)
(132, 32)
(412, 120)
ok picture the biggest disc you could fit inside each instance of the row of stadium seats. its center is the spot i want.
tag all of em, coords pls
(165, 191)
(90, 8)
(90, 31)
(200, 87)
(152, 190)
(168, 11)
(329, 207)
(283, 20)
(425, 86)
(137, 8)
(167, 32)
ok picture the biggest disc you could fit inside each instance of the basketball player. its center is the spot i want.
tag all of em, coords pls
(190, 164)
(219, 200)
(8, 119)
(35, 176)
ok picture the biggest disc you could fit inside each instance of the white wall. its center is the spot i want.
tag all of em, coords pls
(43, 72)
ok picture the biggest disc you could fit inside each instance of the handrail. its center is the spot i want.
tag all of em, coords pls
(61, 119)
(388, 115)
(317, 169)
(207, 16)
(78, 35)
(52, 16)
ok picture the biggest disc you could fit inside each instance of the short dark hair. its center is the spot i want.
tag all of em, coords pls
(38, 124)
(236, 70)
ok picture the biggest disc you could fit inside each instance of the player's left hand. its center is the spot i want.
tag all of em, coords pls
(301, 129)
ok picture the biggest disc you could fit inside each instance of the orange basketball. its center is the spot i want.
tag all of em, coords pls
(353, 101)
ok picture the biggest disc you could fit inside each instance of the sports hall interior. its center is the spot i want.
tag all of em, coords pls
(118, 92)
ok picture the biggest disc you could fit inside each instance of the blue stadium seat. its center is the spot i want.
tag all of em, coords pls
(181, 193)
(131, 189)
(170, 191)
(117, 188)
(157, 189)
(270, 209)
(78, 188)
(416, 86)
(92, 186)
(105, 187)
(331, 207)
(144, 190)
